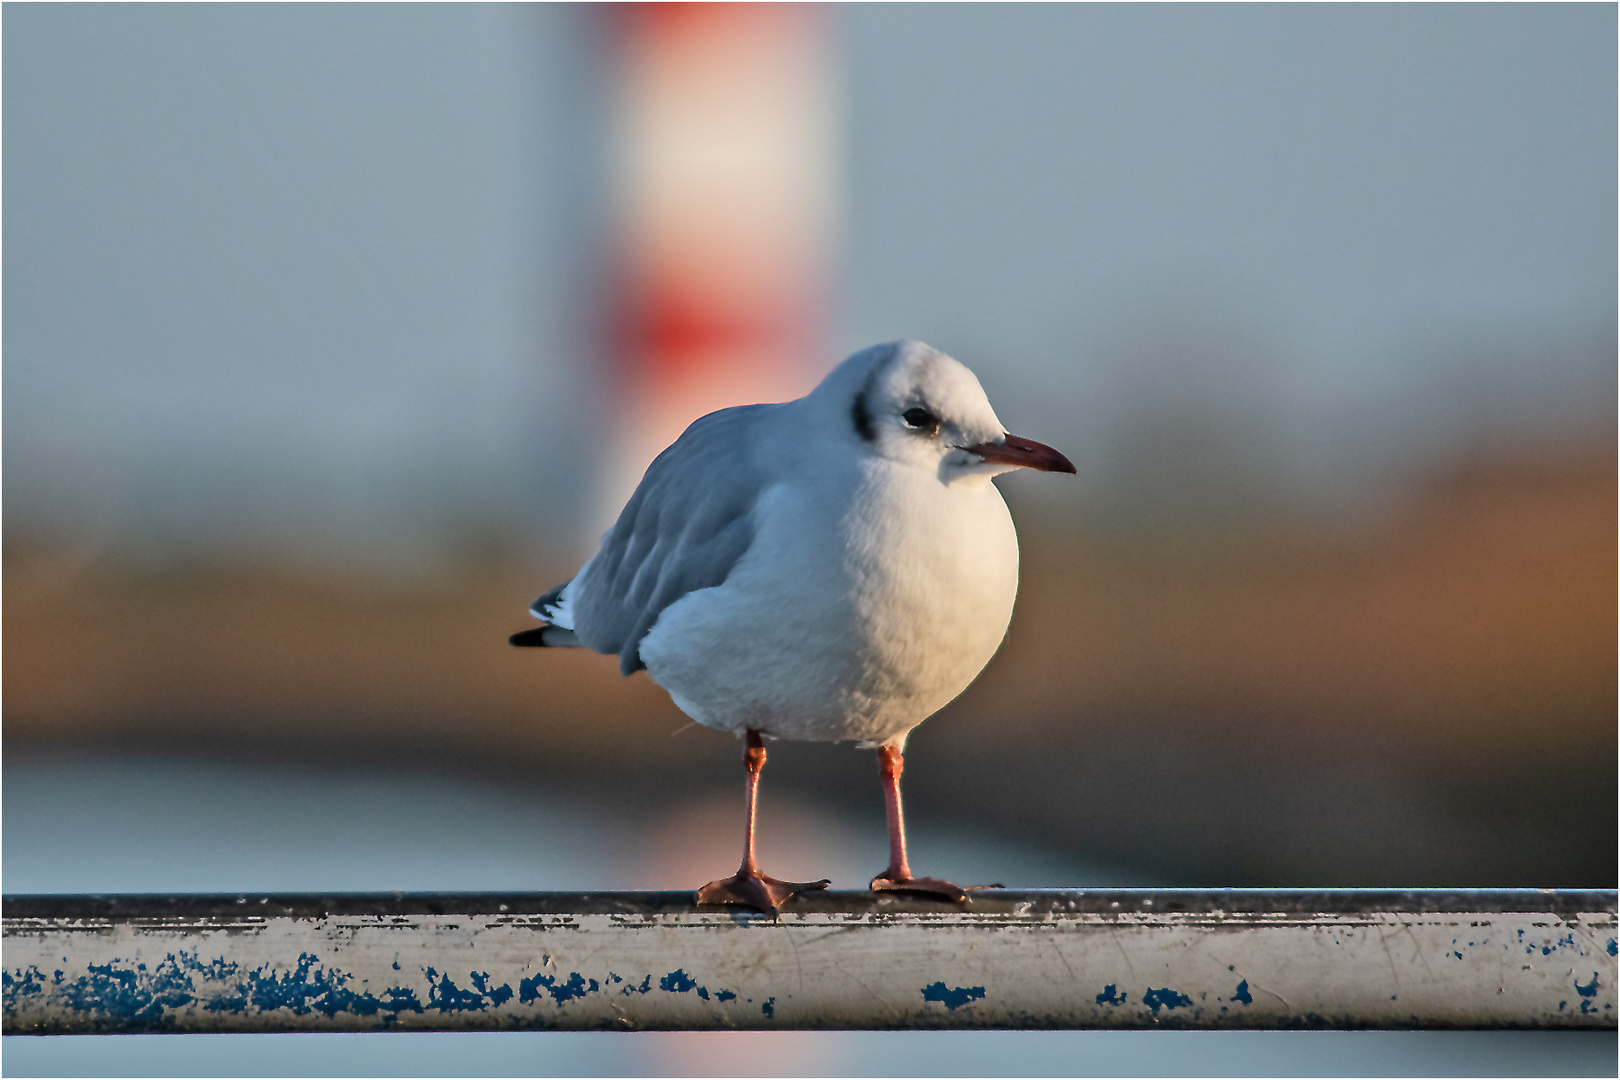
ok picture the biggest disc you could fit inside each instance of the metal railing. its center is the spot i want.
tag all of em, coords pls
(1007, 959)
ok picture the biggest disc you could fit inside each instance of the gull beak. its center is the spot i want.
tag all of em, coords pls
(1027, 453)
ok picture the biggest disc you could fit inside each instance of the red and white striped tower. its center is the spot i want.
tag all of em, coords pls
(725, 171)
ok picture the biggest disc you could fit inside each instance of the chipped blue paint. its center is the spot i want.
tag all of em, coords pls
(133, 994)
(1547, 950)
(498, 996)
(952, 998)
(769, 1008)
(1165, 999)
(141, 997)
(1242, 993)
(631, 988)
(1611, 946)
(326, 991)
(400, 999)
(677, 982)
(1590, 989)
(307, 988)
(1109, 997)
(725, 995)
(576, 987)
(445, 996)
(29, 982)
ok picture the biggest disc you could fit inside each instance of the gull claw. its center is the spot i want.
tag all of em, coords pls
(765, 894)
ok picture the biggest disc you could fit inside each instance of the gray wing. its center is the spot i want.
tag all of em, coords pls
(688, 523)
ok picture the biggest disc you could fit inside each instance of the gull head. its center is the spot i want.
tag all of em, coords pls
(912, 404)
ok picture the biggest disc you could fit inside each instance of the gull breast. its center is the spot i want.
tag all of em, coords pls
(853, 618)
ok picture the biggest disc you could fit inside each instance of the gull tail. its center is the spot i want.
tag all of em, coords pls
(559, 633)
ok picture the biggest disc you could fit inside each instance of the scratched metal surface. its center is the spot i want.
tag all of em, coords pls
(1010, 959)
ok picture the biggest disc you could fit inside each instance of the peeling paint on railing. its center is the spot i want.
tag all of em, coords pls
(627, 961)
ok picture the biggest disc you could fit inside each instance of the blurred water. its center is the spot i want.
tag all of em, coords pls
(110, 824)
(825, 1053)
(163, 824)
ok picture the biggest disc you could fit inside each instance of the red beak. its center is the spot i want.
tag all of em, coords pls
(1027, 453)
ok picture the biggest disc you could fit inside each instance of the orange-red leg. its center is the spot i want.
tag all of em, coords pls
(749, 887)
(898, 877)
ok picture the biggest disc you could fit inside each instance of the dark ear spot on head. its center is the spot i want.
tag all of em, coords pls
(860, 414)
(860, 417)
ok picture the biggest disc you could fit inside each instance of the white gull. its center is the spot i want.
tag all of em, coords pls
(833, 568)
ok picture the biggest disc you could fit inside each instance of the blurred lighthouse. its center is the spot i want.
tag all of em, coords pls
(724, 164)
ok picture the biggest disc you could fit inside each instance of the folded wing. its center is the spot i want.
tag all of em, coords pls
(685, 528)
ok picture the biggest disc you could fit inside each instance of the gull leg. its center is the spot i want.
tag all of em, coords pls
(898, 877)
(749, 887)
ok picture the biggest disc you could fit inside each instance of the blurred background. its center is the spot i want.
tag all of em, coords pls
(333, 335)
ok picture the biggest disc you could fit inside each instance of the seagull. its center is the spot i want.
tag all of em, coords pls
(835, 568)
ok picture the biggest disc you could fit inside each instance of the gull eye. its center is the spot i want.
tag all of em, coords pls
(921, 419)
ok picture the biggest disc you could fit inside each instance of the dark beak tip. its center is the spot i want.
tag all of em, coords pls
(1025, 453)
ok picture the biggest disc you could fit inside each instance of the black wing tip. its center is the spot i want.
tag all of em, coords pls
(549, 636)
(534, 638)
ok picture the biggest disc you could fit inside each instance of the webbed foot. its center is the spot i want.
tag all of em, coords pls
(890, 882)
(766, 894)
